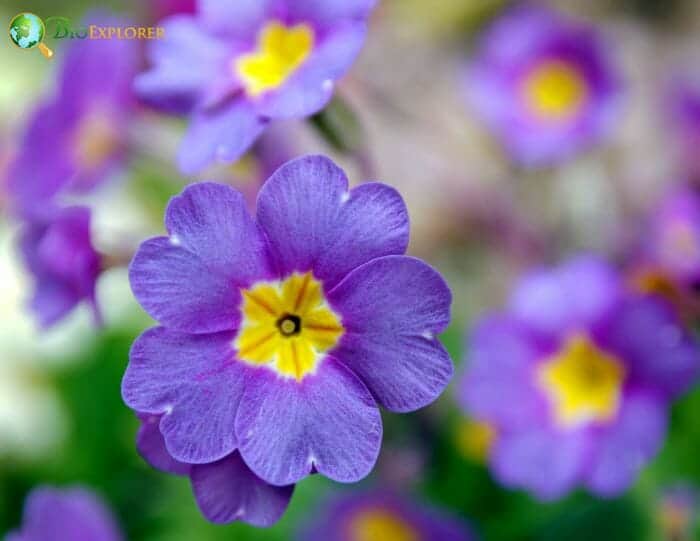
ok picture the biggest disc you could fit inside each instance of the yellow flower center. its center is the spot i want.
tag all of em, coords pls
(287, 325)
(280, 51)
(583, 383)
(554, 90)
(380, 525)
(475, 439)
(95, 139)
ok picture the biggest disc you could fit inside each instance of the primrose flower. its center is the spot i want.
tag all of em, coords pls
(58, 252)
(281, 335)
(70, 514)
(543, 84)
(225, 490)
(383, 516)
(78, 137)
(236, 66)
(673, 241)
(684, 106)
(677, 511)
(576, 377)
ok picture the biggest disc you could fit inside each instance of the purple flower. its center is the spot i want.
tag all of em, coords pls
(672, 244)
(684, 105)
(576, 376)
(677, 511)
(283, 334)
(383, 516)
(236, 66)
(543, 84)
(73, 141)
(58, 252)
(225, 490)
(70, 514)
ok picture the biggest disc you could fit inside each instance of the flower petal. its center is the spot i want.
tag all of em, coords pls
(658, 352)
(227, 491)
(56, 515)
(325, 12)
(391, 308)
(188, 281)
(195, 382)
(239, 18)
(328, 422)
(500, 363)
(313, 223)
(628, 444)
(184, 61)
(308, 90)
(575, 295)
(544, 462)
(151, 446)
(219, 135)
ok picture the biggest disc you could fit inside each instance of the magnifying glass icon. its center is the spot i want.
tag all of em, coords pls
(27, 31)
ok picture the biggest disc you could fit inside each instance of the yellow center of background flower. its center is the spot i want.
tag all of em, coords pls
(475, 439)
(583, 383)
(95, 139)
(380, 525)
(280, 51)
(287, 325)
(554, 90)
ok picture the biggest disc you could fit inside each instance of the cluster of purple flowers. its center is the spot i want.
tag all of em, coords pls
(282, 332)
(73, 141)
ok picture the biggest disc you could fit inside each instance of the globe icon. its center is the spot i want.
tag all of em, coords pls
(27, 31)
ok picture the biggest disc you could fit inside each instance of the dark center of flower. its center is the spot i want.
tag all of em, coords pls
(289, 325)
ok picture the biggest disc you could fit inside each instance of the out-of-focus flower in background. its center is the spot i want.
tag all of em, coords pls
(544, 84)
(226, 490)
(576, 375)
(475, 439)
(666, 259)
(684, 106)
(66, 514)
(382, 516)
(678, 508)
(309, 295)
(78, 136)
(57, 250)
(236, 66)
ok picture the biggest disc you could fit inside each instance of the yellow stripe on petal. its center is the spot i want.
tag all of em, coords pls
(323, 328)
(262, 303)
(258, 344)
(295, 357)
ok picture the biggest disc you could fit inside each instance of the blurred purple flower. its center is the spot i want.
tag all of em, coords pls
(684, 106)
(544, 84)
(58, 252)
(677, 511)
(673, 240)
(71, 514)
(225, 490)
(382, 516)
(236, 66)
(159, 9)
(576, 377)
(73, 141)
(282, 335)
